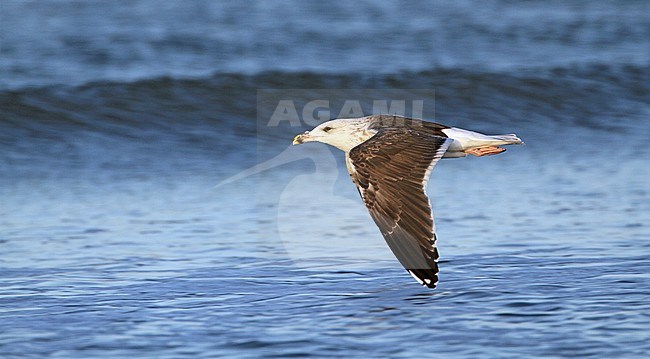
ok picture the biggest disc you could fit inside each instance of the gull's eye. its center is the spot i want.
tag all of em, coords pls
(327, 129)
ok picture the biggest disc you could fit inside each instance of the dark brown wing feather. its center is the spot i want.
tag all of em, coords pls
(391, 170)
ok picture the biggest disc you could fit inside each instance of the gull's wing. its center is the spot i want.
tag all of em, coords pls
(391, 171)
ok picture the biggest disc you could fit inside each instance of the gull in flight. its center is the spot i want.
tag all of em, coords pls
(390, 159)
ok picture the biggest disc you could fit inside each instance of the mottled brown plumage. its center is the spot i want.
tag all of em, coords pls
(391, 170)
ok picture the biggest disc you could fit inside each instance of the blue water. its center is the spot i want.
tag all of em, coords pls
(120, 124)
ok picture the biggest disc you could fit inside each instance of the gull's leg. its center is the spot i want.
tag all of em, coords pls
(485, 151)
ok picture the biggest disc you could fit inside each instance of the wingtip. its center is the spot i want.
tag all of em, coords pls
(430, 284)
(425, 282)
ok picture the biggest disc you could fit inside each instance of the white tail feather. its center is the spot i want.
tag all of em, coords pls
(511, 139)
(464, 140)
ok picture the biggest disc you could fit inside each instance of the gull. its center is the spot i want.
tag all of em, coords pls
(390, 159)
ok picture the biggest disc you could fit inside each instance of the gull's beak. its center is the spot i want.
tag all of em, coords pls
(301, 138)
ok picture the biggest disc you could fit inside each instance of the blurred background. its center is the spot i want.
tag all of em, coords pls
(118, 119)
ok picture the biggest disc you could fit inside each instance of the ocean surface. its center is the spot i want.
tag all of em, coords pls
(151, 206)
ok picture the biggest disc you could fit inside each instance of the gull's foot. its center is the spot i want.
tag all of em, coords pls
(485, 151)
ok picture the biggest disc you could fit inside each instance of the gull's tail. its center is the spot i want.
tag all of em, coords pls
(468, 141)
(510, 139)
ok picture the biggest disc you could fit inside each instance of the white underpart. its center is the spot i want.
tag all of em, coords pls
(465, 140)
(350, 166)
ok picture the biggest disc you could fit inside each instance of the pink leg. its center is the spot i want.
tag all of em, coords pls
(485, 151)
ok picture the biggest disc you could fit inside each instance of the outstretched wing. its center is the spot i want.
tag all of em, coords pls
(391, 170)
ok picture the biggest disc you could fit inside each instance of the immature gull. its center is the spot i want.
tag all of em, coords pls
(390, 159)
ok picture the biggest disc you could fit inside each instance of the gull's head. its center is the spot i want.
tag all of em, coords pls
(343, 134)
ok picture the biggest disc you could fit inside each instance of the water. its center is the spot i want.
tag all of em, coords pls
(118, 123)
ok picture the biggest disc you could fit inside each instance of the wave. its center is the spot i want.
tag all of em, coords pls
(103, 42)
(583, 89)
(167, 125)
